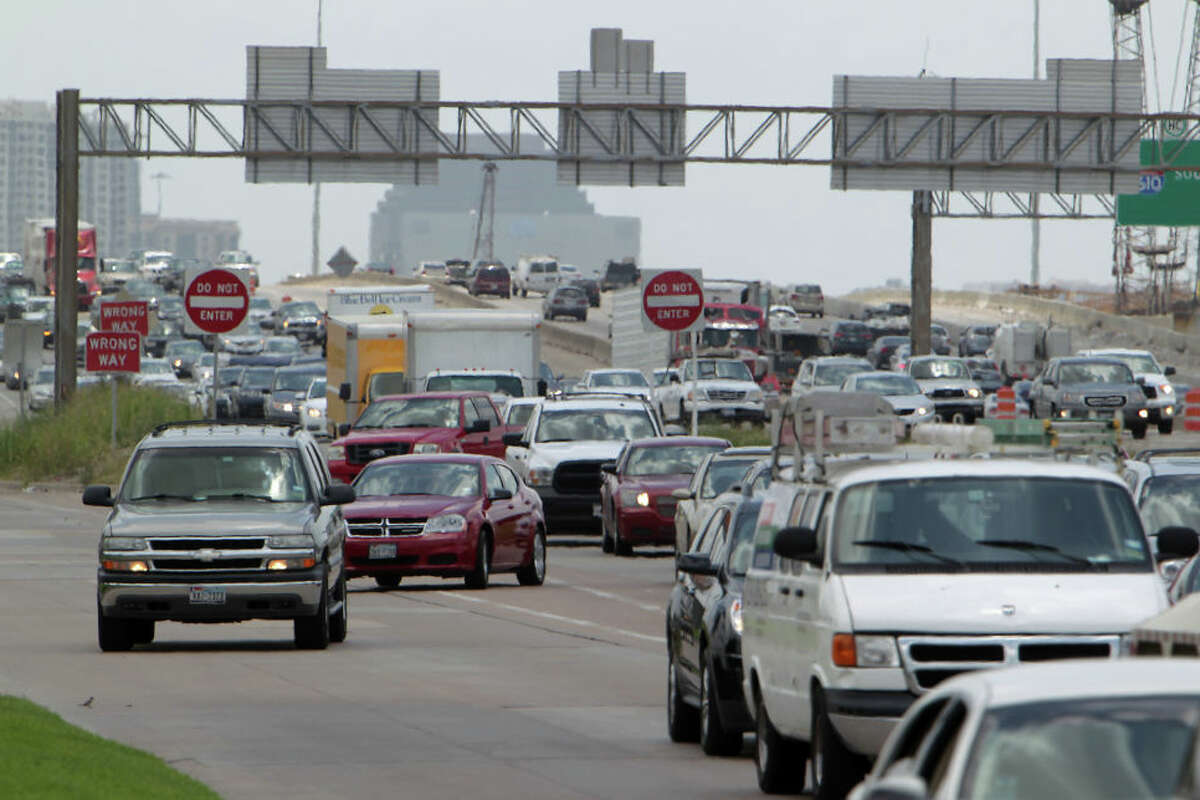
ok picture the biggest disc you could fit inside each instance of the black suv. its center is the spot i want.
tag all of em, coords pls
(222, 523)
(619, 274)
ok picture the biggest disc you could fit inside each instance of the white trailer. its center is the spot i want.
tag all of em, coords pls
(353, 301)
(1023, 348)
(459, 347)
(633, 347)
(22, 351)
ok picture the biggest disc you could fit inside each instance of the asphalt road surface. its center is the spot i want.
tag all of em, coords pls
(438, 692)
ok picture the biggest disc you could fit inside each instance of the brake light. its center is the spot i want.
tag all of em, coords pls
(844, 654)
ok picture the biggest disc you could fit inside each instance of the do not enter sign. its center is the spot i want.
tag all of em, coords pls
(216, 301)
(672, 300)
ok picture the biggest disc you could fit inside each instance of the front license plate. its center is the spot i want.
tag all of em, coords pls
(382, 550)
(206, 596)
(728, 412)
(596, 510)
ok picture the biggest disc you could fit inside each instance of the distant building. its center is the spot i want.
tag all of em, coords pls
(534, 214)
(109, 188)
(189, 238)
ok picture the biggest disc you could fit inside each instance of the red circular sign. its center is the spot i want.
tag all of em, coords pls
(216, 301)
(673, 300)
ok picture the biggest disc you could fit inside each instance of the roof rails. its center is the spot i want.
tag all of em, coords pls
(596, 396)
(292, 428)
(1167, 452)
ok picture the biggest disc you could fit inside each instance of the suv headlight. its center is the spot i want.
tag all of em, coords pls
(446, 523)
(632, 498)
(1166, 388)
(122, 543)
(974, 393)
(426, 447)
(312, 412)
(541, 476)
(754, 395)
(290, 541)
(865, 651)
(697, 394)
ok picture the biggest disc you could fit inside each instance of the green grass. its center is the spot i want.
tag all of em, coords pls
(41, 756)
(76, 442)
(743, 434)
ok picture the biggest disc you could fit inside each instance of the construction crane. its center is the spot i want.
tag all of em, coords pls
(485, 217)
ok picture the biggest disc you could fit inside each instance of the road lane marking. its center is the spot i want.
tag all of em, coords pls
(609, 596)
(556, 617)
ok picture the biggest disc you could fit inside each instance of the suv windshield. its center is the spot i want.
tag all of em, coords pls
(934, 368)
(1171, 500)
(1096, 372)
(594, 424)
(1000, 523)
(184, 346)
(418, 477)
(617, 379)
(411, 412)
(719, 370)
(492, 384)
(668, 460)
(723, 473)
(1138, 363)
(298, 308)
(207, 473)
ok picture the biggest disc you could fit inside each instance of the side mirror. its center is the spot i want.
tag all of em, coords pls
(338, 494)
(609, 467)
(342, 429)
(682, 494)
(1140, 381)
(500, 494)
(344, 392)
(695, 564)
(542, 387)
(1168, 371)
(896, 787)
(796, 543)
(675, 378)
(480, 426)
(1173, 542)
(97, 496)
(514, 439)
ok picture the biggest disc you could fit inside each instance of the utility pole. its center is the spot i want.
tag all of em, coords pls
(66, 245)
(1035, 246)
(921, 282)
(158, 178)
(484, 242)
(316, 214)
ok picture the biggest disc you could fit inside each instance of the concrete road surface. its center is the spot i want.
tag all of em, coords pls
(550, 692)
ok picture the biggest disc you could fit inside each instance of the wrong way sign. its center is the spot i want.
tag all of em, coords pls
(215, 300)
(672, 300)
(125, 315)
(114, 351)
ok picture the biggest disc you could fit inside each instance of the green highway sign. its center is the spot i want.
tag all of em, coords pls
(1165, 197)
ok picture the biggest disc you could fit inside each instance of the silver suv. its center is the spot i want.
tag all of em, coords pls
(222, 523)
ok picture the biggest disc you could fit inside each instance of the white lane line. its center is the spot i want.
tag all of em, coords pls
(557, 617)
(609, 596)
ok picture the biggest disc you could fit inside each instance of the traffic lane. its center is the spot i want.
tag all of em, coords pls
(596, 324)
(443, 695)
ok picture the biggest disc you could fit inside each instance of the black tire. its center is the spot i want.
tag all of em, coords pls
(387, 581)
(620, 546)
(583, 317)
(478, 577)
(1166, 426)
(779, 762)
(1138, 430)
(524, 293)
(115, 635)
(606, 542)
(141, 630)
(534, 573)
(683, 721)
(715, 740)
(312, 633)
(339, 622)
(835, 769)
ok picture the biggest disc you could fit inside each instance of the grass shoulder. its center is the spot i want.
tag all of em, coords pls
(743, 434)
(41, 755)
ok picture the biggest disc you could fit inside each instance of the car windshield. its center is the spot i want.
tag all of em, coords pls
(263, 303)
(887, 384)
(18, 293)
(301, 308)
(617, 379)
(170, 301)
(411, 412)
(492, 384)
(834, 374)
(668, 459)
(156, 368)
(934, 368)
(568, 293)
(185, 346)
(1001, 522)
(1104, 747)
(740, 549)
(207, 473)
(1138, 363)
(259, 378)
(230, 376)
(1171, 500)
(316, 389)
(711, 369)
(284, 345)
(1095, 372)
(594, 424)
(418, 477)
(519, 415)
(286, 381)
(44, 375)
(722, 474)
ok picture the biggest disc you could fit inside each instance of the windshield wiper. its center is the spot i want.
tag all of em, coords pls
(1026, 545)
(547, 441)
(249, 496)
(906, 547)
(164, 496)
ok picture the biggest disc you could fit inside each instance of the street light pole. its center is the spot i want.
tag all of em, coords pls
(316, 212)
(1035, 247)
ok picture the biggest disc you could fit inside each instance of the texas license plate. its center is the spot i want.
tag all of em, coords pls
(596, 510)
(206, 595)
(382, 550)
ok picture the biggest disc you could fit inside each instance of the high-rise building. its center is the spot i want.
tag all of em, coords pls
(189, 238)
(110, 195)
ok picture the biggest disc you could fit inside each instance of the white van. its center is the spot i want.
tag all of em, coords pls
(535, 274)
(873, 581)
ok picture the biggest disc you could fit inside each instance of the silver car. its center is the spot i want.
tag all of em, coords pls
(901, 392)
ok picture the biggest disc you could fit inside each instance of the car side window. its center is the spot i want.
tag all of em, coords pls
(494, 481)
(797, 512)
(485, 410)
(508, 478)
(703, 543)
(908, 739)
(937, 751)
(470, 415)
(317, 466)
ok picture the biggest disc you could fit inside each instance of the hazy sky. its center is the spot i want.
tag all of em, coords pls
(782, 223)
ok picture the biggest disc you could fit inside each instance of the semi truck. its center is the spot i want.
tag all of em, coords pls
(40, 247)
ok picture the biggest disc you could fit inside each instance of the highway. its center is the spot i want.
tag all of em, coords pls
(438, 692)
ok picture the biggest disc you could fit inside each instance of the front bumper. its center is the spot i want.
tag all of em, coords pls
(644, 525)
(864, 718)
(570, 513)
(444, 554)
(255, 595)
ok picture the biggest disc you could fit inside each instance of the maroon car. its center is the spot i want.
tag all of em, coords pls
(636, 504)
(491, 277)
(444, 515)
(433, 422)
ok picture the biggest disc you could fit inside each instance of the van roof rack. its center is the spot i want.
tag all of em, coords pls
(292, 428)
(819, 424)
(1167, 452)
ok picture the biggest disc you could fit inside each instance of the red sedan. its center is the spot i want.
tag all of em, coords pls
(448, 515)
(636, 504)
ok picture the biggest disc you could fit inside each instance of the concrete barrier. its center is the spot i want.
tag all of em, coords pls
(573, 341)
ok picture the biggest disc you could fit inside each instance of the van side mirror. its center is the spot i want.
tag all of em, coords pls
(1168, 371)
(344, 392)
(514, 439)
(799, 544)
(97, 496)
(682, 494)
(1174, 542)
(500, 494)
(543, 388)
(338, 494)
(695, 564)
(343, 429)
(609, 467)
(675, 378)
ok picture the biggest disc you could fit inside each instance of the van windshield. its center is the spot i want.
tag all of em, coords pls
(989, 523)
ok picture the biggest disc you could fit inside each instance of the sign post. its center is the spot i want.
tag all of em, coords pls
(673, 301)
(216, 302)
(114, 351)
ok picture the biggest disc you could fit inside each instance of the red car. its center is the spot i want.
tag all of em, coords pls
(636, 504)
(491, 277)
(444, 515)
(433, 422)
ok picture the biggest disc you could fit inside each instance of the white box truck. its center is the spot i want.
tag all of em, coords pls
(493, 351)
